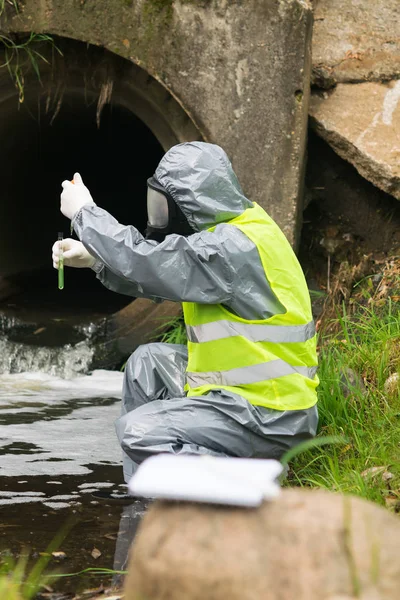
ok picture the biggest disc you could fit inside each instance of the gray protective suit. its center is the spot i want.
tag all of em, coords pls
(218, 267)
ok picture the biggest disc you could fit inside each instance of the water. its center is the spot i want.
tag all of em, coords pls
(58, 447)
(44, 350)
(66, 362)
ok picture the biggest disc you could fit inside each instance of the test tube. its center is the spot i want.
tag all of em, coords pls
(71, 226)
(61, 262)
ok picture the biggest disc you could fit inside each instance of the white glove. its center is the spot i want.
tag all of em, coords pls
(74, 196)
(74, 253)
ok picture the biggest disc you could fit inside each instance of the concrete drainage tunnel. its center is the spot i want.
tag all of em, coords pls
(109, 120)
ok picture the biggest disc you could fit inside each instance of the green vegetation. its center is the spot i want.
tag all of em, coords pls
(159, 10)
(22, 53)
(14, 581)
(17, 581)
(3, 3)
(359, 402)
(174, 331)
(20, 580)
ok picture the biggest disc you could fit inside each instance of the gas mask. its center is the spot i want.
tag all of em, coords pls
(164, 215)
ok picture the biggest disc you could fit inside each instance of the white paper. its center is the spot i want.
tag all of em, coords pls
(219, 480)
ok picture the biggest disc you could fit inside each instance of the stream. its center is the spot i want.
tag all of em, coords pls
(58, 450)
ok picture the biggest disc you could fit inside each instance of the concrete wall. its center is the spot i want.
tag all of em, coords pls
(239, 69)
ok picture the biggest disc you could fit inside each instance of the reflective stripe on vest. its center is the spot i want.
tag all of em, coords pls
(244, 375)
(209, 332)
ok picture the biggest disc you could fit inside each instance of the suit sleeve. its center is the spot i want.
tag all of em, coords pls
(181, 269)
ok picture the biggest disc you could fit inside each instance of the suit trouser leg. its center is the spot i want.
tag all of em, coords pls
(158, 417)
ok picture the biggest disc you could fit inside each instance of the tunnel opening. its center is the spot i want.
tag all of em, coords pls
(115, 159)
(92, 112)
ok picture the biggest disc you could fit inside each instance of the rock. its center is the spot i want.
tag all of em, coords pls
(351, 382)
(355, 40)
(362, 124)
(121, 333)
(308, 545)
(392, 385)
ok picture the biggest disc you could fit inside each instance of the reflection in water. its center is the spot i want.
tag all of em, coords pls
(73, 425)
(57, 449)
(130, 519)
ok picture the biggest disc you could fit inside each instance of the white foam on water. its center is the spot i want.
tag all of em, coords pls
(56, 505)
(99, 484)
(36, 382)
(9, 494)
(66, 361)
(20, 500)
(49, 389)
(65, 444)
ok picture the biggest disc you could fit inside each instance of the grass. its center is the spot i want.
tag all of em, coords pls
(354, 405)
(174, 331)
(170, 331)
(17, 581)
(21, 53)
(3, 3)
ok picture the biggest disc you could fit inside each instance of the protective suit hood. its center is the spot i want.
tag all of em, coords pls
(201, 180)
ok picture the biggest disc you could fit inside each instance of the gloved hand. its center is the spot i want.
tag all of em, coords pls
(74, 196)
(74, 253)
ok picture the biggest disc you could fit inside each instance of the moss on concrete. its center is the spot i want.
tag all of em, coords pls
(160, 9)
(157, 16)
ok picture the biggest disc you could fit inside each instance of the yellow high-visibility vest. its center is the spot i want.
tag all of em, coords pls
(269, 362)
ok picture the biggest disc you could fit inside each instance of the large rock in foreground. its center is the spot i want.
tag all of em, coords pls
(362, 124)
(308, 545)
(356, 40)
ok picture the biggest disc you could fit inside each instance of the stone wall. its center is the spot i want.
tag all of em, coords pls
(355, 105)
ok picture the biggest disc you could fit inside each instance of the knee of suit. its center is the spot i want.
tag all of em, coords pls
(143, 351)
(134, 433)
(137, 356)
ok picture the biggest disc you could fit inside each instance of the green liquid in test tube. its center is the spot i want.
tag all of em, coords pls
(61, 263)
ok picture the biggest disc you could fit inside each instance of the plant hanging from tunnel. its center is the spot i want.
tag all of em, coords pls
(21, 53)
